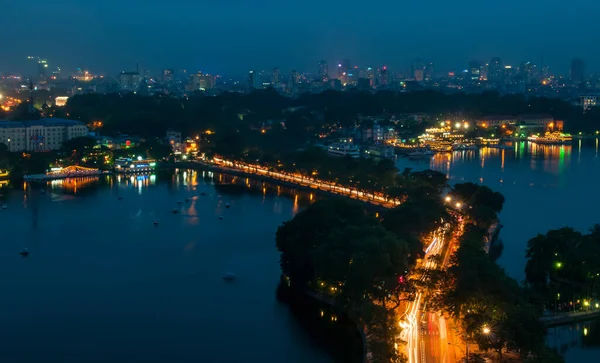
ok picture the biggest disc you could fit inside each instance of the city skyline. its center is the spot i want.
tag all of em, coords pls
(236, 37)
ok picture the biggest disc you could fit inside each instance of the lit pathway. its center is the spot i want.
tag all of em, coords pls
(298, 179)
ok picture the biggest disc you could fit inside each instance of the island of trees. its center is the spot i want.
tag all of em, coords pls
(337, 251)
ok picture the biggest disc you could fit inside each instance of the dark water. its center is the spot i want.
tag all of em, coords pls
(546, 187)
(103, 284)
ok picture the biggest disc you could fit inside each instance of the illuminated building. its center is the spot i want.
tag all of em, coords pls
(495, 70)
(474, 70)
(40, 135)
(174, 139)
(342, 71)
(254, 81)
(323, 71)
(577, 70)
(383, 76)
(200, 82)
(588, 102)
(42, 65)
(61, 101)
(168, 75)
(495, 121)
(129, 81)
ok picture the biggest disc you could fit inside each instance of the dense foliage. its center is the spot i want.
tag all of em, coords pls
(494, 311)
(563, 266)
(304, 116)
(336, 249)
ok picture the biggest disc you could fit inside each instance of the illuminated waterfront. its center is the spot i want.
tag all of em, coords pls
(546, 187)
(103, 284)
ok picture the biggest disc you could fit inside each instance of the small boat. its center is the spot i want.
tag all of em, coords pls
(203, 193)
(174, 211)
(187, 199)
(227, 205)
(179, 202)
(229, 276)
(120, 198)
(4, 206)
(43, 191)
(24, 253)
(156, 222)
(220, 217)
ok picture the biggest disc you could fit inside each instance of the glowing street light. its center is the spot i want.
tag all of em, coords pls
(486, 330)
(558, 264)
(458, 205)
(457, 125)
(448, 198)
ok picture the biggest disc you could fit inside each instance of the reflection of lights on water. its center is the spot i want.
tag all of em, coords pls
(585, 332)
(152, 178)
(295, 208)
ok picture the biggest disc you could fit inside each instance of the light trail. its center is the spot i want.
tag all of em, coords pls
(410, 324)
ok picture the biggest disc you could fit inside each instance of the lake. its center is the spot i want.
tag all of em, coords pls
(104, 284)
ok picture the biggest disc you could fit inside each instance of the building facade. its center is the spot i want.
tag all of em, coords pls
(39, 135)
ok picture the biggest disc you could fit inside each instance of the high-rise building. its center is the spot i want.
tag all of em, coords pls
(484, 72)
(342, 71)
(42, 70)
(168, 75)
(418, 70)
(275, 77)
(200, 82)
(474, 70)
(527, 71)
(129, 81)
(429, 71)
(254, 81)
(294, 78)
(577, 70)
(383, 76)
(495, 70)
(323, 71)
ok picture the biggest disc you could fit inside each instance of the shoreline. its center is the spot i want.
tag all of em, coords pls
(307, 303)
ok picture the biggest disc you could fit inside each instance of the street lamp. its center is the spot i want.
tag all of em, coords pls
(448, 198)
(458, 205)
(463, 352)
(486, 330)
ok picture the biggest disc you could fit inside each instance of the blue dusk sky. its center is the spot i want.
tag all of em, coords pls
(234, 36)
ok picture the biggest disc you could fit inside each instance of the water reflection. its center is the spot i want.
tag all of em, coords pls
(549, 158)
(581, 339)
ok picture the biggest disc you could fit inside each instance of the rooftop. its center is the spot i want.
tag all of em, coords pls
(41, 122)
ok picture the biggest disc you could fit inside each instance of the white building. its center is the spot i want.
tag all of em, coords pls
(39, 135)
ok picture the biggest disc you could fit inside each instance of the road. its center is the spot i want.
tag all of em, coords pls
(429, 337)
(375, 198)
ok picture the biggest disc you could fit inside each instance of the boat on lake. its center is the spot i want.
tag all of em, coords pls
(551, 138)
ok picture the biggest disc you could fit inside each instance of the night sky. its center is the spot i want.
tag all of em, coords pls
(233, 36)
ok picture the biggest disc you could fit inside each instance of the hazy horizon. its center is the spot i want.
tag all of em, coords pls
(233, 36)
